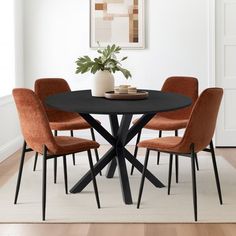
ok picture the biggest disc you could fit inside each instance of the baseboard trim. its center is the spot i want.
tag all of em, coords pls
(5, 100)
(9, 148)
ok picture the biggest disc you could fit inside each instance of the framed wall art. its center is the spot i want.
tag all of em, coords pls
(117, 21)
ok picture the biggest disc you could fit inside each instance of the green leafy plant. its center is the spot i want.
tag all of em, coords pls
(107, 60)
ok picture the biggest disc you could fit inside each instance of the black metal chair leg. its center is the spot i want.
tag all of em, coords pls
(196, 160)
(93, 177)
(35, 161)
(177, 168)
(44, 178)
(194, 182)
(216, 172)
(95, 150)
(170, 173)
(55, 163)
(136, 150)
(176, 163)
(20, 172)
(73, 155)
(158, 153)
(55, 170)
(143, 178)
(65, 174)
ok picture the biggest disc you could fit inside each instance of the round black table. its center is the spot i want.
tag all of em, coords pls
(83, 103)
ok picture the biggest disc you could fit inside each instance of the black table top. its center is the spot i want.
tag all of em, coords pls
(83, 102)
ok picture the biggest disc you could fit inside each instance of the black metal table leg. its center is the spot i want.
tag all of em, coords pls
(136, 150)
(114, 130)
(97, 126)
(123, 175)
(111, 169)
(137, 127)
(143, 178)
(155, 181)
(87, 178)
(117, 154)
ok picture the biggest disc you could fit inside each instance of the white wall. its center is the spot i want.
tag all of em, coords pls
(10, 136)
(177, 37)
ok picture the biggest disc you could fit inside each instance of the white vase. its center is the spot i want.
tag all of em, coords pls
(103, 81)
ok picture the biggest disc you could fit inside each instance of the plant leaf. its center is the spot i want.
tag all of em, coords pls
(106, 61)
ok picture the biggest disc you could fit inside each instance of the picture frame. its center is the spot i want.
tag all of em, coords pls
(120, 22)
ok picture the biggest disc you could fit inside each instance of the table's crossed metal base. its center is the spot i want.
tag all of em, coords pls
(116, 155)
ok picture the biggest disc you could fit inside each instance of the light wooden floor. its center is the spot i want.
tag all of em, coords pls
(10, 167)
(118, 230)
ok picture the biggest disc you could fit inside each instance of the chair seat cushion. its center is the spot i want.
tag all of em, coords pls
(67, 145)
(164, 123)
(165, 144)
(75, 123)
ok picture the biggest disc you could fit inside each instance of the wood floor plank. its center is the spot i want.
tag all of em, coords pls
(229, 154)
(118, 229)
(160, 229)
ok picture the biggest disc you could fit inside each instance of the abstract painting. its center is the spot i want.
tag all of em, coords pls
(117, 21)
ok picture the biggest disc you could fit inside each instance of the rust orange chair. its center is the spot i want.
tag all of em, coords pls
(38, 137)
(198, 135)
(174, 120)
(59, 120)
